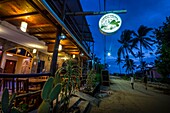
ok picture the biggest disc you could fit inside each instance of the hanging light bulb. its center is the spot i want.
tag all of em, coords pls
(74, 56)
(109, 54)
(82, 54)
(24, 26)
(60, 47)
(34, 51)
(18, 50)
(63, 36)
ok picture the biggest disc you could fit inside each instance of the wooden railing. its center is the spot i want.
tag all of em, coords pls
(6, 75)
(14, 81)
(17, 82)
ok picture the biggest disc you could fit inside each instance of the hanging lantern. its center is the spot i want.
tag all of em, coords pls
(24, 26)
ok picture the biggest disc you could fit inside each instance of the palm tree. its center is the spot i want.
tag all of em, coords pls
(139, 54)
(126, 45)
(119, 61)
(143, 65)
(125, 41)
(143, 40)
(130, 65)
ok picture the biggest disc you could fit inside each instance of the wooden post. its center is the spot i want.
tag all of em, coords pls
(53, 66)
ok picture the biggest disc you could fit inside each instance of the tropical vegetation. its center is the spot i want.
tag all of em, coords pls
(133, 45)
(162, 35)
(142, 40)
(126, 48)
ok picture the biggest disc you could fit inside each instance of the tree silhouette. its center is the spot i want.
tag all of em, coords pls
(119, 61)
(142, 40)
(162, 35)
(130, 65)
(126, 45)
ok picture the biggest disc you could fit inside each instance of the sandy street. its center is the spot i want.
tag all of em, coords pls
(126, 100)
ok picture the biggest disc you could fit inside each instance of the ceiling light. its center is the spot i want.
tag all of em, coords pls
(8, 54)
(65, 58)
(34, 51)
(63, 36)
(18, 50)
(60, 47)
(24, 26)
(82, 54)
(74, 56)
(109, 54)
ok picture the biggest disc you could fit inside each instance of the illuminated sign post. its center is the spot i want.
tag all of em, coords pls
(109, 23)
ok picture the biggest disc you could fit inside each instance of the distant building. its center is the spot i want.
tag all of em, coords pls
(153, 74)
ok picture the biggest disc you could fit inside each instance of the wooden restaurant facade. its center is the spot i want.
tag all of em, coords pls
(50, 36)
(36, 38)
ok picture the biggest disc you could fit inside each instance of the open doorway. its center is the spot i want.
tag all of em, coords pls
(40, 66)
(10, 66)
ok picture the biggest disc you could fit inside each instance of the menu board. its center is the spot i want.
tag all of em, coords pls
(105, 77)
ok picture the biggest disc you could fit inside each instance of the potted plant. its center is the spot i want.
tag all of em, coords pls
(7, 103)
(49, 93)
(69, 77)
(91, 83)
(90, 80)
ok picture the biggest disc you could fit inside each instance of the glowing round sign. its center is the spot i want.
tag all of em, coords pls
(109, 23)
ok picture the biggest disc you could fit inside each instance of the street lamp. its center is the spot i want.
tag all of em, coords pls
(109, 54)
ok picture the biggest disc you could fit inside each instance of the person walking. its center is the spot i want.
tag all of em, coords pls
(145, 80)
(132, 81)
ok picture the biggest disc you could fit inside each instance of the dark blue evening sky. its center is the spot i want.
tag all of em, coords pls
(151, 13)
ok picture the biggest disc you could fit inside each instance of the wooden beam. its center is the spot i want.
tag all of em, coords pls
(47, 39)
(46, 32)
(4, 1)
(20, 15)
(50, 43)
(71, 50)
(41, 25)
(34, 5)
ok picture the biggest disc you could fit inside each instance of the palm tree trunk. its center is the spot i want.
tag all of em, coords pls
(119, 68)
(141, 59)
(128, 59)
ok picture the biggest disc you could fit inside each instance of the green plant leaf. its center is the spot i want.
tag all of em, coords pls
(12, 100)
(44, 107)
(5, 101)
(55, 92)
(15, 110)
(47, 88)
(57, 78)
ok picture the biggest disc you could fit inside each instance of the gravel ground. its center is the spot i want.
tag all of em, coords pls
(123, 99)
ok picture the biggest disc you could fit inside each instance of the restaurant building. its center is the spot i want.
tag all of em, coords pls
(40, 34)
